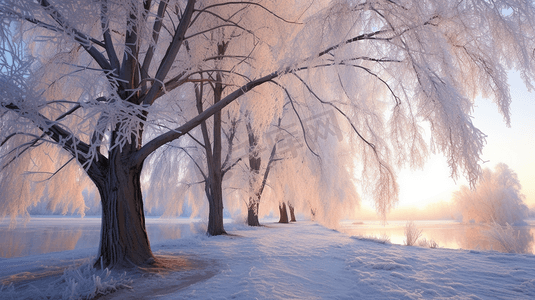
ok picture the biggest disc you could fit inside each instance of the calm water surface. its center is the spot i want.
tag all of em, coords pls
(447, 233)
(44, 234)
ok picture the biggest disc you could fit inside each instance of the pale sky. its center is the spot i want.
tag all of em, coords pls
(514, 146)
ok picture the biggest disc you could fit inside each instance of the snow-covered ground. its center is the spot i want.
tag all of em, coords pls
(284, 261)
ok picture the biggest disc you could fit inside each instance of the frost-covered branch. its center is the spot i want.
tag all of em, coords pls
(371, 145)
(164, 138)
(108, 42)
(170, 55)
(298, 117)
(64, 138)
(158, 22)
(230, 144)
(242, 3)
(85, 41)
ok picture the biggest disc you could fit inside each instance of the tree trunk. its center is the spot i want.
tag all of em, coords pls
(215, 201)
(123, 237)
(252, 212)
(215, 217)
(255, 162)
(283, 213)
(292, 214)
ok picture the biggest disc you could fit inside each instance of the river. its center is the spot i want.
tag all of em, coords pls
(44, 234)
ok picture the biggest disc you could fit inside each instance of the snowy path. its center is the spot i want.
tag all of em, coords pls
(308, 261)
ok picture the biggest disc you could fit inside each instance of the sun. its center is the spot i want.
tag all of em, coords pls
(419, 188)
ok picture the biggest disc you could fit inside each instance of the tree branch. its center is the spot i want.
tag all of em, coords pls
(62, 137)
(298, 117)
(108, 43)
(230, 139)
(268, 168)
(225, 170)
(162, 7)
(199, 91)
(170, 55)
(171, 135)
(245, 3)
(194, 162)
(196, 140)
(53, 174)
(85, 41)
(129, 69)
(340, 112)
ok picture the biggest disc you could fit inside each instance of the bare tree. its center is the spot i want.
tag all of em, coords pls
(213, 151)
(110, 82)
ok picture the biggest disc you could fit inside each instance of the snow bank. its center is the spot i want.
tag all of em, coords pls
(309, 261)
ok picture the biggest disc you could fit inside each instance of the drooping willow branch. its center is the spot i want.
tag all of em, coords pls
(298, 116)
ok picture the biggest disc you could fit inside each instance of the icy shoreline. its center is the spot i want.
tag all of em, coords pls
(298, 261)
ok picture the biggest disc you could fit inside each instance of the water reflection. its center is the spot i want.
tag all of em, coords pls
(518, 240)
(453, 235)
(20, 242)
(50, 234)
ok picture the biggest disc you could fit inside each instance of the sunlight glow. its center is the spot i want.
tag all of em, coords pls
(513, 146)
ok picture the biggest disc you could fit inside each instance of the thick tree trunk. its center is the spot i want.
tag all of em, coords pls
(283, 213)
(292, 213)
(123, 237)
(252, 212)
(215, 201)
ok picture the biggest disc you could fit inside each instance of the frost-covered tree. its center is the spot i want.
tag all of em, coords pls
(257, 174)
(99, 69)
(111, 82)
(496, 198)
